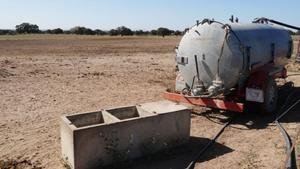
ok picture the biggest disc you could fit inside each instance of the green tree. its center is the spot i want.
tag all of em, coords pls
(123, 31)
(27, 28)
(113, 32)
(141, 32)
(67, 32)
(153, 32)
(163, 32)
(100, 32)
(7, 32)
(48, 31)
(57, 31)
(82, 31)
(54, 31)
(89, 31)
(177, 33)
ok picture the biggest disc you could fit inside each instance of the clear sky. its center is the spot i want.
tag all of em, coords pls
(140, 14)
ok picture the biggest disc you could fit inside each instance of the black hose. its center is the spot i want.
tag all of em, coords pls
(288, 141)
(211, 142)
(262, 20)
(287, 138)
(284, 24)
(289, 109)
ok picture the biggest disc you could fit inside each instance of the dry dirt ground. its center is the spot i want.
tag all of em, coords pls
(44, 77)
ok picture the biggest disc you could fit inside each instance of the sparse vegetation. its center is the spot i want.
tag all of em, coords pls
(72, 68)
(28, 28)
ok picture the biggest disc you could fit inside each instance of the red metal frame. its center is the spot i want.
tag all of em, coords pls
(257, 79)
(206, 102)
(260, 75)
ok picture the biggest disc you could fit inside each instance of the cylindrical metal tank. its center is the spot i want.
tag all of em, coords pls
(226, 52)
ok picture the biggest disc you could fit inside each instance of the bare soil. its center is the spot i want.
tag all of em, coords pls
(43, 77)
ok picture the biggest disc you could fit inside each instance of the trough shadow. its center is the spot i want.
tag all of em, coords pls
(179, 157)
(257, 120)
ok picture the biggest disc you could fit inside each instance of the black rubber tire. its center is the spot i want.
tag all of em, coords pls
(269, 106)
(270, 97)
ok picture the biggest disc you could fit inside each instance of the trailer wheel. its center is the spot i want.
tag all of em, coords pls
(270, 97)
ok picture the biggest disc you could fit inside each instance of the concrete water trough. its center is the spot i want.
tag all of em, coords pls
(107, 137)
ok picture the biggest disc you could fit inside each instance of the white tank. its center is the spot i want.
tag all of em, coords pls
(225, 53)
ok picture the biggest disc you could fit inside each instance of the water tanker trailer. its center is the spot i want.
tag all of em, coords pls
(228, 66)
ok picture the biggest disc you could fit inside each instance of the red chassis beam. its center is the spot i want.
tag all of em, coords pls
(205, 102)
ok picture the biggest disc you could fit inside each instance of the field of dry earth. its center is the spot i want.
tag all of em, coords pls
(43, 77)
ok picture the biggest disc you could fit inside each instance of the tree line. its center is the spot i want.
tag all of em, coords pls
(27, 28)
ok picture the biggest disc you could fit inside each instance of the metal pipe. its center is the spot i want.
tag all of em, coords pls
(193, 83)
(284, 24)
(266, 20)
(197, 68)
(220, 55)
(202, 96)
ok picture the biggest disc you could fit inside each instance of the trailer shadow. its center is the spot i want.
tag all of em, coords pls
(179, 157)
(292, 96)
(288, 95)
